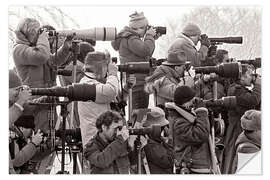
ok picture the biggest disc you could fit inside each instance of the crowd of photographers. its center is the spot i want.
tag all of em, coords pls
(198, 124)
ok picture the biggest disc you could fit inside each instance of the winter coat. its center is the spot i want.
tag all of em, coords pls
(105, 158)
(159, 156)
(132, 49)
(184, 44)
(89, 111)
(190, 139)
(246, 99)
(163, 83)
(35, 66)
(248, 142)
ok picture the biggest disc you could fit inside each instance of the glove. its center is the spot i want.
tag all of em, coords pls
(112, 69)
(205, 41)
(151, 31)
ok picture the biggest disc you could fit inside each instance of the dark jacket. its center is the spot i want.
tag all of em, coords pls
(105, 158)
(191, 139)
(246, 99)
(159, 156)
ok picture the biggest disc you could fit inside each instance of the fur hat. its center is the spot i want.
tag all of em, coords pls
(183, 94)
(155, 116)
(14, 80)
(137, 20)
(176, 58)
(191, 30)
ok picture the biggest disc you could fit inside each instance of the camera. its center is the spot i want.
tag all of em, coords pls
(228, 40)
(228, 102)
(228, 70)
(135, 67)
(153, 131)
(254, 62)
(95, 34)
(159, 29)
(75, 92)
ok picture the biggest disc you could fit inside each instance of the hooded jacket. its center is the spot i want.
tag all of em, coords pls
(35, 65)
(33, 62)
(184, 44)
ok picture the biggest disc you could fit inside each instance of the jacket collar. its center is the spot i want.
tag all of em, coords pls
(188, 39)
(187, 115)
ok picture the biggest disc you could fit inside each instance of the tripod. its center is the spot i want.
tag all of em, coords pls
(141, 157)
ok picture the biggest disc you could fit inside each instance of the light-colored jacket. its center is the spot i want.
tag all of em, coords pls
(89, 111)
(164, 87)
(35, 66)
(184, 44)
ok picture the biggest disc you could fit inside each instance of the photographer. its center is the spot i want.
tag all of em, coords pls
(101, 72)
(190, 130)
(246, 99)
(20, 148)
(84, 47)
(158, 151)
(107, 152)
(136, 43)
(18, 96)
(167, 77)
(249, 141)
(187, 41)
(34, 62)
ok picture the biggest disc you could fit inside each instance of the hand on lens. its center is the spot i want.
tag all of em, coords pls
(151, 31)
(123, 132)
(37, 138)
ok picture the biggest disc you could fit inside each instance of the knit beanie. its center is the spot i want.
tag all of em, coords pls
(191, 30)
(183, 94)
(137, 20)
(14, 80)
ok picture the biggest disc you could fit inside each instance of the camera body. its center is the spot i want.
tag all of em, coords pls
(159, 29)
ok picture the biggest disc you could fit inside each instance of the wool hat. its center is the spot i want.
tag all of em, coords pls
(156, 116)
(191, 30)
(26, 121)
(14, 80)
(137, 20)
(251, 120)
(183, 94)
(176, 58)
